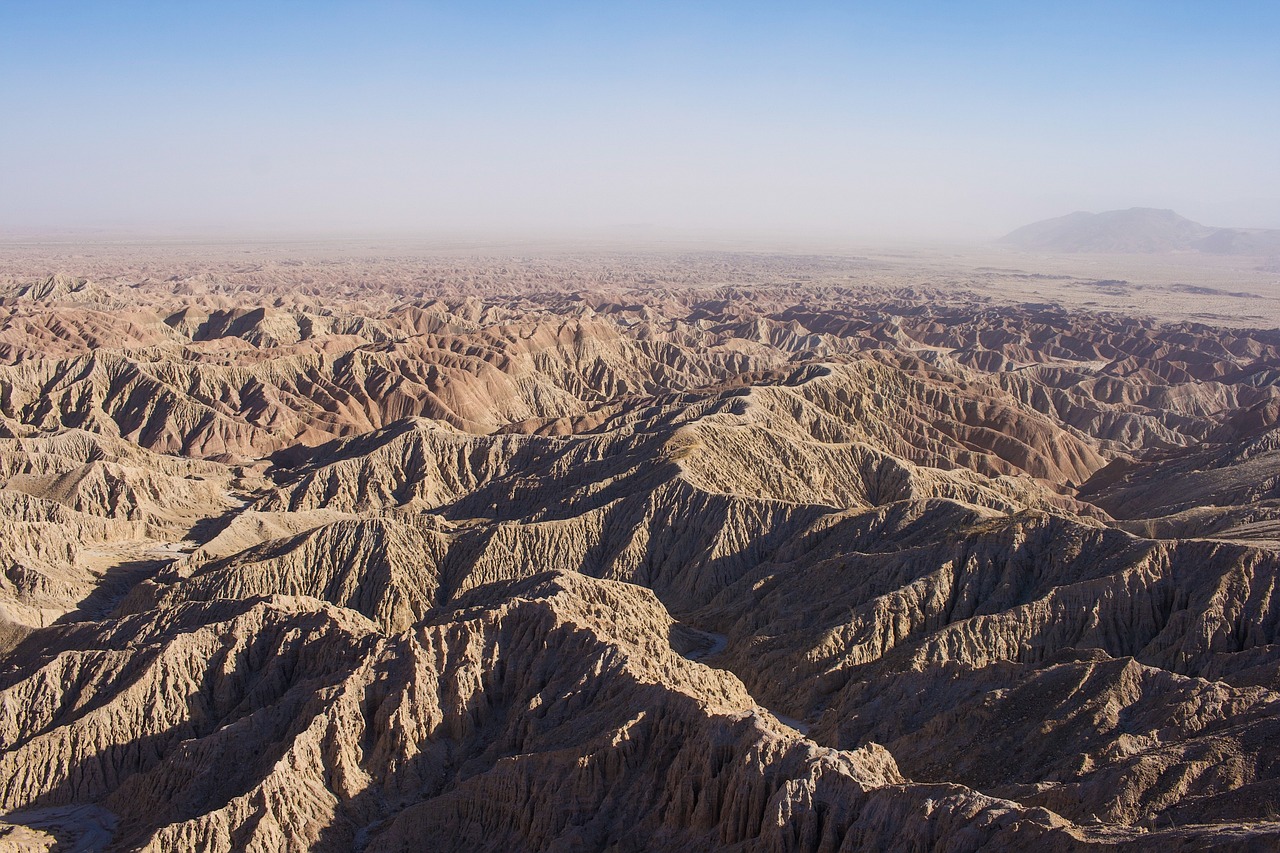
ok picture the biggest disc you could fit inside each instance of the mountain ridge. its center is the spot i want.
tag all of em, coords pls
(1140, 230)
(758, 566)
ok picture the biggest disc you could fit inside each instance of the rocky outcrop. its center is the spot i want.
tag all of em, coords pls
(603, 562)
(387, 570)
(549, 717)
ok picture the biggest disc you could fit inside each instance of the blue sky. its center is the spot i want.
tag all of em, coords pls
(866, 119)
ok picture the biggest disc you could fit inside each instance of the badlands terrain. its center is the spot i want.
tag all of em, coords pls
(376, 548)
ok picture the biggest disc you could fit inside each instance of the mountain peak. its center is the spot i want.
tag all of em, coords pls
(1139, 230)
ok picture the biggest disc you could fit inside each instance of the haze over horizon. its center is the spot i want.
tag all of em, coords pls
(919, 120)
(742, 428)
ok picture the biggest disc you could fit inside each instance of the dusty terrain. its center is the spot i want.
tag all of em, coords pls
(384, 547)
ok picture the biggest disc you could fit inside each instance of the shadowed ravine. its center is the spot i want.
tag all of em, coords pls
(739, 553)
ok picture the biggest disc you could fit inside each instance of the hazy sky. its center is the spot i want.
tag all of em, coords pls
(945, 119)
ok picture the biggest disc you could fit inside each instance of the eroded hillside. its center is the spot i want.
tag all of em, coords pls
(699, 554)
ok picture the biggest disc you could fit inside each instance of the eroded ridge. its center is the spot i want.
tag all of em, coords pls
(647, 553)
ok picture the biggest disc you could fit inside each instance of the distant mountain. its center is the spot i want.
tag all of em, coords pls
(1140, 229)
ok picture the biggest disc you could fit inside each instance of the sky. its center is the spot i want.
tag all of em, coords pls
(917, 120)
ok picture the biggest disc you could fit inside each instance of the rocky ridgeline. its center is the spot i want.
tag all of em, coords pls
(631, 566)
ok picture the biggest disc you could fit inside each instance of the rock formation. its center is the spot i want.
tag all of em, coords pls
(667, 555)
